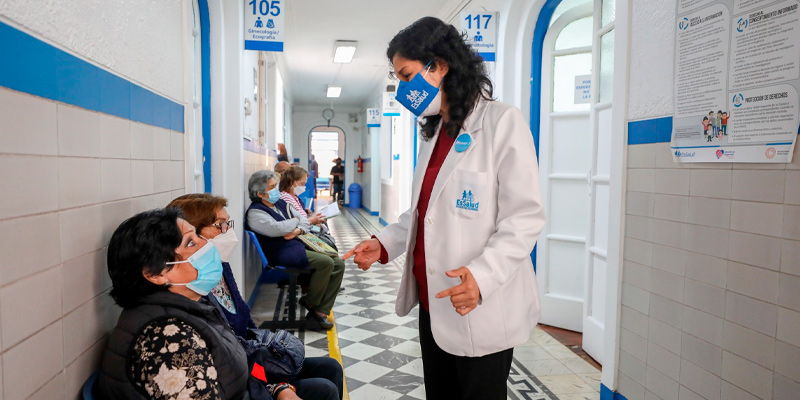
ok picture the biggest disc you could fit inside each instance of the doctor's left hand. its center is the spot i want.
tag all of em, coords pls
(464, 296)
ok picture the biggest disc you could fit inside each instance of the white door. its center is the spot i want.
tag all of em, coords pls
(599, 190)
(565, 149)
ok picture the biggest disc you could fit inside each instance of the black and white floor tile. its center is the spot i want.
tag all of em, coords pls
(380, 350)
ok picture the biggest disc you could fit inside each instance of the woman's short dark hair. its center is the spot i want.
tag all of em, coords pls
(290, 176)
(143, 243)
(430, 39)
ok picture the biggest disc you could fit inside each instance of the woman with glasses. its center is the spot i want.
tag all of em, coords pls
(321, 377)
(207, 214)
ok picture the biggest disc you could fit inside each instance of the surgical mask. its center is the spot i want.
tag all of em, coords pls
(225, 244)
(274, 195)
(419, 96)
(299, 190)
(208, 264)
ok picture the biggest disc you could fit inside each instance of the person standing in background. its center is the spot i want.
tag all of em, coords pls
(313, 171)
(338, 180)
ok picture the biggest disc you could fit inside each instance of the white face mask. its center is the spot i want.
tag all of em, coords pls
(299, 190)
(225, 244)
(434, 107)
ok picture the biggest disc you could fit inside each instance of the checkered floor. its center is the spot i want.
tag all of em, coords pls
(380, 351)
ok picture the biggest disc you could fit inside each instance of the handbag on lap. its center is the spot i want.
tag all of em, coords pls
(316, 244)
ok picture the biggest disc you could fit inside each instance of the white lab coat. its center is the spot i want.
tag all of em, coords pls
(500, 170)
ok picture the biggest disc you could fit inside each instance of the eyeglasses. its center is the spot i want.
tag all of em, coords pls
(223, 226)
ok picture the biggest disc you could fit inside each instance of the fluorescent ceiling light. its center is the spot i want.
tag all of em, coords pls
(334, 91)
(344, 50)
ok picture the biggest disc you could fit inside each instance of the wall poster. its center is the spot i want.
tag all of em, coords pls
(737, 81)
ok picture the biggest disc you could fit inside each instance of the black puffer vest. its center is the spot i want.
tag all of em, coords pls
(228, 354)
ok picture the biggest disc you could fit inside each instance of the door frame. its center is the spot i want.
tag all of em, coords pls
(544, 148)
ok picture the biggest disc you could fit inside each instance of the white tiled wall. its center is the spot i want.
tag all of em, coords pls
(711, 279)
(70, 177)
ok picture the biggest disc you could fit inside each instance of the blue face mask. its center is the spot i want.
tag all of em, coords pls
(274, 195)
(208, 264)
(418, 95)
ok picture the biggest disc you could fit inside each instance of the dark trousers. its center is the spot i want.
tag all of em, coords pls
(320, 379)
(454, 377)
(338, 191)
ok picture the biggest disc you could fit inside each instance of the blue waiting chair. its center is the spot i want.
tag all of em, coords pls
(294, 273)
(88, 387)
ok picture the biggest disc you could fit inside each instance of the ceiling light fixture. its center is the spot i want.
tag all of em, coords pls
(334, 91)
(344, 50)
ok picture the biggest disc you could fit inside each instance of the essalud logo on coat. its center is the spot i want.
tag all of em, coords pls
(467, 202)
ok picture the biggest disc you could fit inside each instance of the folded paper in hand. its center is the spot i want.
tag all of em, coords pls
(330, 211)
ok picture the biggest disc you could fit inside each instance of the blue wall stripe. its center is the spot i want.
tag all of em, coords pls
(656, 130)
(608, 394)
(659, 130)
(488, 57)
(32, 66)
(263, 46)
(384, 223)
(205, 83)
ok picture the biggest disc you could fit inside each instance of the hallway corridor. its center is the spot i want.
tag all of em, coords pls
(380, 351)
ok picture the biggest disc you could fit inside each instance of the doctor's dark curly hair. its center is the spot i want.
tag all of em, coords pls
(429, 39)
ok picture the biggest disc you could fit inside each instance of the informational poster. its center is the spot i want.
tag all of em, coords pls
(737, 81)
(263, 25)
(583, 89)
(481, 30)
(391, 107)
(373, 117)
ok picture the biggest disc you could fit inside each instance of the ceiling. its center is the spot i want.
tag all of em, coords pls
(312, 26)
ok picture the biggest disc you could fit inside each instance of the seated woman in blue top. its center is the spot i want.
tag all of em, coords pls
(321, 377)
(277, 225)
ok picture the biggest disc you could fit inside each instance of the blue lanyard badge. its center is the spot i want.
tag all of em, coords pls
(462, 142)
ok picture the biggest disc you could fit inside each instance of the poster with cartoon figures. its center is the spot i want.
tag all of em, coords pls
(737, 81)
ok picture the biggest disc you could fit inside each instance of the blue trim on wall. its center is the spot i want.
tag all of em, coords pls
(489, 57)
(384, 223)
(263, 46)
(659, 130)
(32, 66)
(369, 211)
(252, 145)
(656, 130)
(205, 77)
(539, 32)
(608, 394)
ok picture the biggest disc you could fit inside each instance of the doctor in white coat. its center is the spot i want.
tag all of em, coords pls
(476, 213)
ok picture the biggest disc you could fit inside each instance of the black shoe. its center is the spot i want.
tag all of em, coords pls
(305, 305)
(321, 321)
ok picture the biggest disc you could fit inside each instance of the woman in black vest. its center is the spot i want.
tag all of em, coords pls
(277, 225)
(169, 342)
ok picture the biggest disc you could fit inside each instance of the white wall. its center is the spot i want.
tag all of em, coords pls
(304, 119)
(113, 36)
(71, 175)
(710, 277)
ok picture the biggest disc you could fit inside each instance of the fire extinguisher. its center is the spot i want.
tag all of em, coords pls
(360, 163)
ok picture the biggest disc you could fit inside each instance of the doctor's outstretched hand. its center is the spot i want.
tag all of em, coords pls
(366, 253)
(465, 295)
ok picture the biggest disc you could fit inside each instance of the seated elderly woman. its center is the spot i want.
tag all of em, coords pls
(321, 377)
(277, 225)
(168, 340)
(292, 184)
